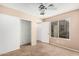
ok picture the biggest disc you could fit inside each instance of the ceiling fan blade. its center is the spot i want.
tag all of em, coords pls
(51, 5)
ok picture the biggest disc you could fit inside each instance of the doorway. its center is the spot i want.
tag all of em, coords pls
(25, 33)
(44, 32)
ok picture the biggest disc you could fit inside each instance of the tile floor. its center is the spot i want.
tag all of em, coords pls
(41, 49)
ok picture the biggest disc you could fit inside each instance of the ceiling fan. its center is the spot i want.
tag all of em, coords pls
(45, 6)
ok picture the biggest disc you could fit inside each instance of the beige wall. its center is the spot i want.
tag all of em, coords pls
(74, 29)
(24, 16)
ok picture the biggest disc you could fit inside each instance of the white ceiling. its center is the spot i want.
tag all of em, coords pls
(32, 8)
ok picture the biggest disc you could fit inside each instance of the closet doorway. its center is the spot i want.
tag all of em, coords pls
(25, 33)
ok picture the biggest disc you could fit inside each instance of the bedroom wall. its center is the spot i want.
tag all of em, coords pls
(9, 33)
(24, 16)
(73, 17)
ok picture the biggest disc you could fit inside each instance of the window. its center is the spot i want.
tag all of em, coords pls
(60, 29)
(54, 29)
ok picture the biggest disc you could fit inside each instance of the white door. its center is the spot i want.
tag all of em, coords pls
(43, 31)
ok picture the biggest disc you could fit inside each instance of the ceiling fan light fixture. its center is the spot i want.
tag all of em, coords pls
(43, 7)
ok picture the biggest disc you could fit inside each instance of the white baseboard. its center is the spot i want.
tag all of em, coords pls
(1, 53)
